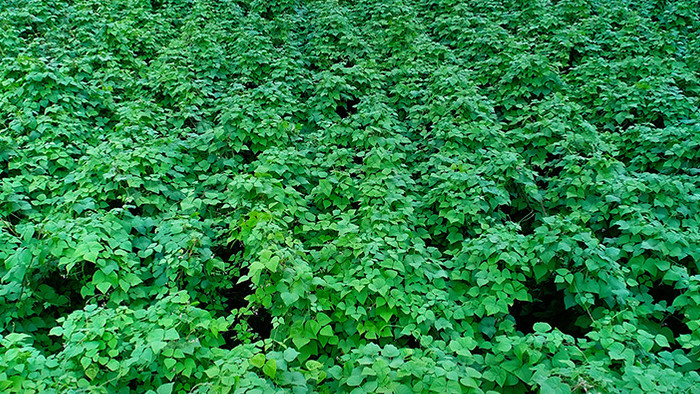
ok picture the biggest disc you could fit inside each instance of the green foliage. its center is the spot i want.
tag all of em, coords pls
(333, 196)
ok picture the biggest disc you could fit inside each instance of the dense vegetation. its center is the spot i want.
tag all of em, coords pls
(367, 196)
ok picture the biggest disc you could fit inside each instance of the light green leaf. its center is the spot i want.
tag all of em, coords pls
(355, 380)
(270, 368)
(258, 360)
(113, 365)
(290, 354)
(661, 340)
(171, 335)
(289, 298)
(166, 388)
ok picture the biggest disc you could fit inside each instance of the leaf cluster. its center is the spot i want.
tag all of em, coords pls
(334, 196)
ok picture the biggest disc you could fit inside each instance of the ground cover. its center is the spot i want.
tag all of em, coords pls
(336, 196)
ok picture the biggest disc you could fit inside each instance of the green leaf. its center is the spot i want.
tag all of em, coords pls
(312, 327)
(270, 368)
(57, 331)
(355, 380)
(554, 385)
(92, 371)
(312, 365)
(289, 298)
(157, 334)
(680, 358)
(166, 388)
(616, 351)
(326, 331)
(323, 319)
(103, 286)
(325, 187)
(290, 354)
(171, 335)
(169, 363)
(661, 340)
(258, 360)
(273, 263)
(157, 346)
(113, 365)
(646, 343)
(390, 351)
(212, 371)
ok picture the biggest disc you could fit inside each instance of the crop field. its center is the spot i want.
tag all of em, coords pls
(327, 196)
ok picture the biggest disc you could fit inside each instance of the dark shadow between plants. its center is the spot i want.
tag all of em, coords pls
(347, 108)
(548, 307)
(234, 297)
(675, 321)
